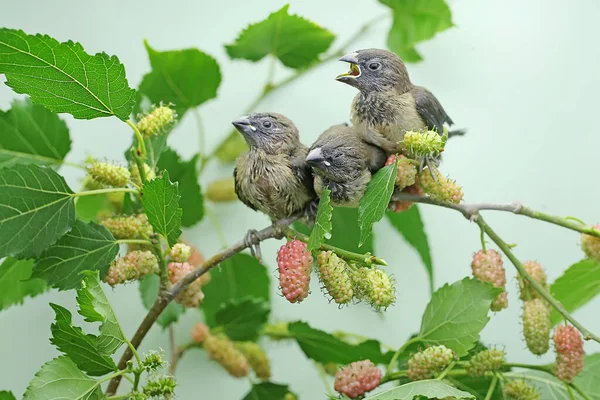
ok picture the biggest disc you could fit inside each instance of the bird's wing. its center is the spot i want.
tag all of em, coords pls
(240, 192)
(430, 109)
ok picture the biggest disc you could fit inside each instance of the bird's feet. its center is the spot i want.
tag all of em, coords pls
(431, 163)
(252, 241)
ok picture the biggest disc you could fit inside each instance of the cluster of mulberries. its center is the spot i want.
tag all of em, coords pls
(334, 275)
(444, 189)
(490, 360)
(132, 266)
(538, 274)
(591, 245)
(421, 144)
(407, 171)
(135, 174)
(487, 266)
(295, 265)
(157, 121)
(257, 358)
(520, 390)
(357, 378)
(129, 227)
(536, 325)
(223, 351)
(109, 174)
(192, 296)
(569, 353)
(180, 252)
(425, 364)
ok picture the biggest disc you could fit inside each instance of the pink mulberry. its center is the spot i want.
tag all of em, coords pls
(357, 378)
(295, 264)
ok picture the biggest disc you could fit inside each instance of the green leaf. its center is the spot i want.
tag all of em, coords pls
(149, 286)
(588, 379)
(457, 313)
(61, 379)
(478, 386)
(186, 173)
(296, 41)
(155, 145)
(31, 134)
(186, 78)
(79, 347)
(237, 277)
(87, 247)
(411, 227)
(431, 389)
(375, 201)
(242, 318)
(5, 395)
(161, 204)
(325, 348)
(414, 22)
(322, 228)
(267, 391)
(63, 77)
(15, 284)
(94, 307)
(576, 287)
(88, 207)
(36, 209)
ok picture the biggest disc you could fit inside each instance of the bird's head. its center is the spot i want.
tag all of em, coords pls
(270, 132)
(336, 157)
(375, 70)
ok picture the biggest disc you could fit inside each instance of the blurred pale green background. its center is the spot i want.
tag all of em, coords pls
(521, 76)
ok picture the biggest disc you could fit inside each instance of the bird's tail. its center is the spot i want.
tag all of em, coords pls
(457, 132)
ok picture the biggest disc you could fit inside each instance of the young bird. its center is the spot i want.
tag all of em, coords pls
(343, 162)
(389, 104)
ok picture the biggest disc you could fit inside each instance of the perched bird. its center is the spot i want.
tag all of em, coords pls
(343, 162)
(389, 104)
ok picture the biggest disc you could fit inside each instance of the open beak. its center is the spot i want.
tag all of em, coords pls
(243, 125)
(354, 71)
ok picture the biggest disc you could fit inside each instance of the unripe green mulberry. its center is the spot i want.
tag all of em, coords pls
(257, 358)
(223, 351)
(108, 174)
(157, 121)
(334, 275)
(424, 143)
(425, 364)
(180, 252)
(135, 174)
(519, 390)
(132, 266)
(221, 190)
(160, 387)
(538, 274)
(591, 244)
(129, 227)
(407, 171)
(373, 286)
(536, 326)
(444, 189)
(486, 361)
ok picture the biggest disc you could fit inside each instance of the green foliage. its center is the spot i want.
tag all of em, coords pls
(325, 348)
(161, 204)
(588, 379)
(375, 201)
(94, 307)
(243, 318)
(322, 227)
(267, 391)
(15, 284)
(410, 225)
(5, 395)
(87, 247)
(186, 78)
(186, 173)
(457, 313)
(63, 77)
(414, 22)
(36, 208)
(61, 379)
(88, 207)
(82, 349)
(295, 41)
(155, 145)
(149, 286)
(237, 277)
(32, 134)
(431, 389)
(576, 287)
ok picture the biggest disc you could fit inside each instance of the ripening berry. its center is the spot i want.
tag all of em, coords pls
(591, 244)
(129, 227)
(192, 296)
(520, 390)
(444, 189)
(486, 361)
(221, 190)
(132, 266)
(257, 358)
(161, 387)
(153, 360)
(536, 326)
(425, 364)
(135, 174)
(108, 174)
(401, 205)
(196, 259)
(488, 267)
(569, 353)
(295, 265)
(423, 143)
(223, 351)
(335, 277)
(407, 171)
(157, 121)
(357, 378)
(200, 332)
(180, 252)
(538, 274)
(373, 286)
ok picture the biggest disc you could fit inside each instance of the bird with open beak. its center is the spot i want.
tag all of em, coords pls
(343, 162)
(388, 104)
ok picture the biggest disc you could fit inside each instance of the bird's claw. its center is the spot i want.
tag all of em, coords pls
(252, 241)
(431, 167)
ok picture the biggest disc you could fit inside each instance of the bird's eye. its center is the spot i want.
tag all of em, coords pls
(374, 66)
(267, 124)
